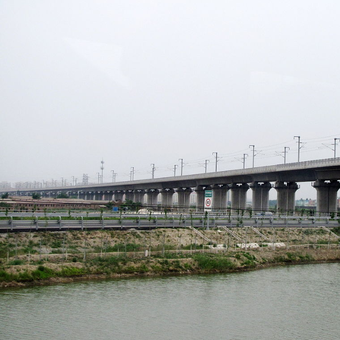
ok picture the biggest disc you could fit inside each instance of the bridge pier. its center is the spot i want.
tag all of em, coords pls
(260, 196)
(99, 195)
(167, 195)
(326, 196)
(129, 194)
(239, 196)
(138, 195)
(89, 195)
(184, 197)
(219, 201)
(285, 196)
(118, 195)
(151, 196)
(199, 198)
(108, 195)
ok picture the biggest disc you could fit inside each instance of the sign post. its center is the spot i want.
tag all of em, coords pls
(208, 200)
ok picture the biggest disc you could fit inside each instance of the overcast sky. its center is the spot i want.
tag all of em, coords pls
(139, 82)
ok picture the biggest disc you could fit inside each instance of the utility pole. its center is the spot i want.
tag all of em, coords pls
(153, 170)
(132, 174)
(102, 169)
(206, 165)
(181, 160)
(85, 179)
(245, 155)
(335, 140)
(175, 168)
(113, 176)
(253, 150)
(285, 151)
(216, 160)
(299, 146)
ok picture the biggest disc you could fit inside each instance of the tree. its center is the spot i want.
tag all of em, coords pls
(36, 196)
(5, 195)
(63, 195)
(130, 205)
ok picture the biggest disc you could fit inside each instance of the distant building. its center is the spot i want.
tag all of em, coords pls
(308, 202)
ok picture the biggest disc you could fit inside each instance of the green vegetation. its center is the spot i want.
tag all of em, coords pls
(63, 195)
(34, 256)
(212, 262)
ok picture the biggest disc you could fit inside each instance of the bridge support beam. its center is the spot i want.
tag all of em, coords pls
(108, 195)
(100, 195)
(152, 195)
(199, 198)
(129, 194)
(118, 195)
(219, 201)
(285, 196)
(166, 195)
(184, 198)
(89, 195)
(326, 196)
(239, 196)
(260, 197)
(138, 195)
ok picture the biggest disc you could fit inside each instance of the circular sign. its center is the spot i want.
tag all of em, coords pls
(208, 202)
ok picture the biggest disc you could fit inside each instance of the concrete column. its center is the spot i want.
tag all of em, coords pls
(81, 195)
(219, 201)
(118, 195)
(260, 197)
(166, 195)
(184, 198)
(239, 196)
(138, 195)
(285, 196)
(199, 198)
(326, 196)
(151, 197)
(129, 195)
(89, 195)
(99, 195)
(107, 196)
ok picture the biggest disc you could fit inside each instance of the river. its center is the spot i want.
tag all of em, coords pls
(295, 302)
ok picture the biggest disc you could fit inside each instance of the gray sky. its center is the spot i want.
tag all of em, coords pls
(140, 82)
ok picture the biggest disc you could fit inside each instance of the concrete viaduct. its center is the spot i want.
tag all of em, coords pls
(284, 178)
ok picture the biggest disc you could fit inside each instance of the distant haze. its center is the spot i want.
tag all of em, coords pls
(136, 83)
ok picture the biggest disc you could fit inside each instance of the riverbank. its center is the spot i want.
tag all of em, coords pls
(113, 266)
(29, 259)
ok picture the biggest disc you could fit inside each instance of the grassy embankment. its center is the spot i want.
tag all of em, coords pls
(45, 257)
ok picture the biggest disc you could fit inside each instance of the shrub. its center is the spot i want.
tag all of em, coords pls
(213, 263)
